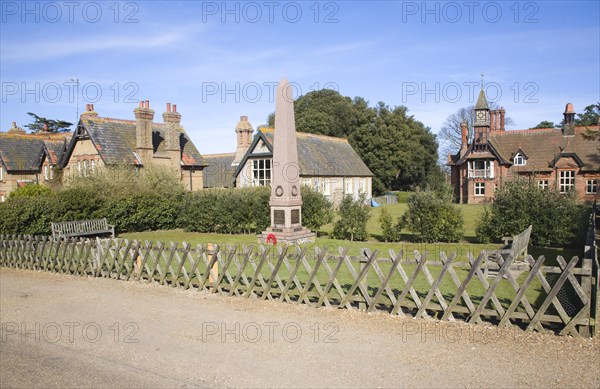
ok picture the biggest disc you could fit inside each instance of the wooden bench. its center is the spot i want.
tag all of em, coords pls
(93, 227)
(515, 246)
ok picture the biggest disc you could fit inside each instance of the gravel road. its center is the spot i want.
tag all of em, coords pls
(66, 331)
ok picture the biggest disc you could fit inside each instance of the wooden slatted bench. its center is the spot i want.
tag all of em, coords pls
(515, 246)
(95, 227)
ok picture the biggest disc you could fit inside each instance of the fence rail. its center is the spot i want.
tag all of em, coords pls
(550, 296)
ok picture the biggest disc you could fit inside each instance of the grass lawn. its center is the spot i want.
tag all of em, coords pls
(470, 213)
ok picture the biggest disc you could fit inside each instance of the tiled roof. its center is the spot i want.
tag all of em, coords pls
(542, 146)
(218, 173)
(115, 140)
(21, 153)
(54, 150)
(320, 155)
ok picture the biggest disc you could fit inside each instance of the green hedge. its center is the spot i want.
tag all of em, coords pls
(229, 211)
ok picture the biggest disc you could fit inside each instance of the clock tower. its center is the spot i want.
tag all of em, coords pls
(482, 118)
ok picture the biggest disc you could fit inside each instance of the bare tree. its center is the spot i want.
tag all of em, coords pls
(450, 135)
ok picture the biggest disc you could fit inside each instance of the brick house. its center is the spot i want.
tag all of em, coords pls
(558, 158)
(329, 165)
(99, 142)
(29, 158)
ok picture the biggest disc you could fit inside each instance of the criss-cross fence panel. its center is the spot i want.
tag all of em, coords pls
(553, 295)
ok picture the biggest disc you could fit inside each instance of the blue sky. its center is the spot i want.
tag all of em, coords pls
(218, 61)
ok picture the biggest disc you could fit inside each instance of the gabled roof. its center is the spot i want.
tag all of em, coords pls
(26, 152)
(318, 155)
(54, 150)
(115, 140)
(218, 173)
(543, 147)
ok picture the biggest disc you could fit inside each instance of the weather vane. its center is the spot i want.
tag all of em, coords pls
(481, 80)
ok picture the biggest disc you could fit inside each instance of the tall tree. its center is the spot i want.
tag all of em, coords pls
(400, 151)
(545, 124)
(41, 124)
(590, 116)
(450, 135)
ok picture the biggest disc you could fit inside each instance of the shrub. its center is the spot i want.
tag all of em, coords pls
(228, 211)
(141, 212)
(354, 216)
(433, 218)
(556, 217)
(30, 190)
(390, 232)
(317, 211)
(27, 215)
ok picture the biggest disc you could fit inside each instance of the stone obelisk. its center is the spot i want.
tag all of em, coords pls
(286, 200)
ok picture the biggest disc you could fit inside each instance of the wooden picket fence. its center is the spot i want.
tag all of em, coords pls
(547, 297)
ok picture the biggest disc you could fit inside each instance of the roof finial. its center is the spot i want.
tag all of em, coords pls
(481, 80)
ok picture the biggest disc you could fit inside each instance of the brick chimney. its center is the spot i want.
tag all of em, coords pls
(497, 120)
(89, 112)
(143, 131)
(569, 121)
(243, 132)
(464, 130)
(172, 120)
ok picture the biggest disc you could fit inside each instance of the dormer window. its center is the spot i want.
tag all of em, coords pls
(519, 160)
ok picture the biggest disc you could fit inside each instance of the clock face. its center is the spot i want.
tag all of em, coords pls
(480, 115)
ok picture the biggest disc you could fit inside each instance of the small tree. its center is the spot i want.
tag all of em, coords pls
(316, 209)
(433, 218)
(354, 216)
(556, 217)
(386, 222)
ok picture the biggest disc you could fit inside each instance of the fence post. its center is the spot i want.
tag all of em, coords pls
(215, 267)
(364, 259)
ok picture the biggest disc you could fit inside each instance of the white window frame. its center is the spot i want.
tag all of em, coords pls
(349, 186)
(519, 160)
(479, 189)
(1, 173)
(48, 173)
(265, 166)
(362, 185)
(543, 184)
(485, 170)
(566, 181)
(591, 186)
(326, 187)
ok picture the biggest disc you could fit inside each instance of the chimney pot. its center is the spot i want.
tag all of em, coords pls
(142, 104)
(168, 107)
(91, 107)
(14, 124)
(147, 104)
(243, 118)
(174, 108)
